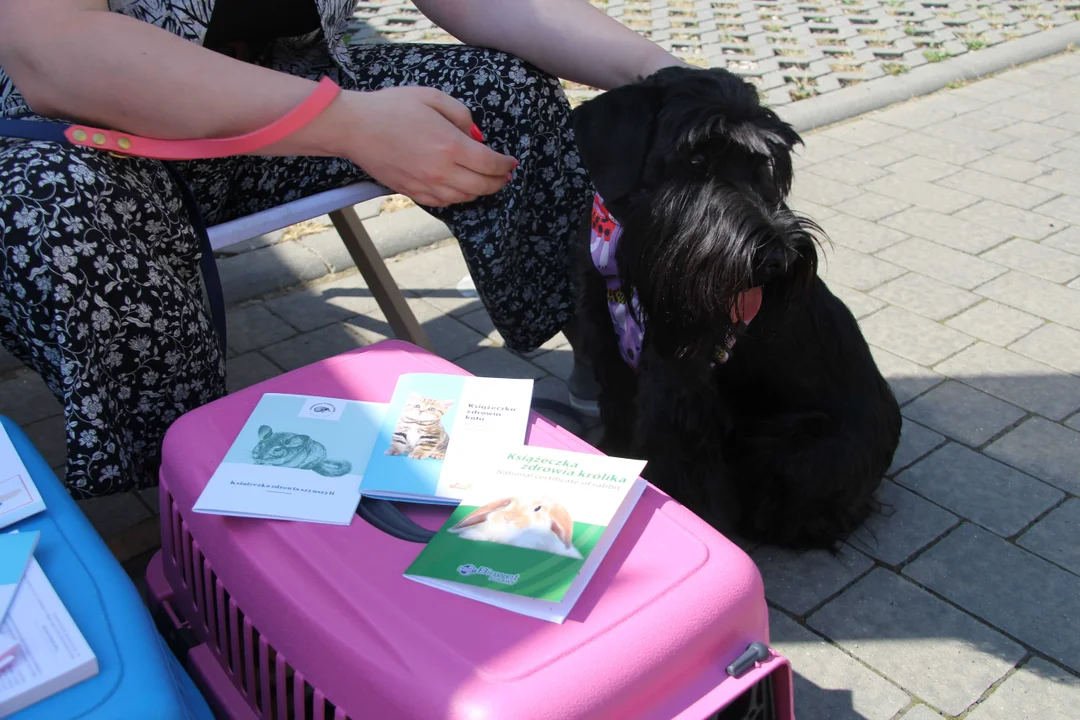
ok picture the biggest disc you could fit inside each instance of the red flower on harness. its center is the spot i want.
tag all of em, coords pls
(603, 230)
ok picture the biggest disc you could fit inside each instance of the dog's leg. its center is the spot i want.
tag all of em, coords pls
(618, 382)
(804, 478)
(680, 425)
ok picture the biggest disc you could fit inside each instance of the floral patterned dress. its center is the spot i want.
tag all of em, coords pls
(100, 289)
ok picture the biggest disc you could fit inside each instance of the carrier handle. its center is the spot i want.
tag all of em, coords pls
(388, 517)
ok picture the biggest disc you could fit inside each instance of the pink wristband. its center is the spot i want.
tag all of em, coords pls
(127, 144)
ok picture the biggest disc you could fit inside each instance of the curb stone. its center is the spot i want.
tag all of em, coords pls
(850, 102)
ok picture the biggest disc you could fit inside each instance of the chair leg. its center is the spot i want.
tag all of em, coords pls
(378, 277)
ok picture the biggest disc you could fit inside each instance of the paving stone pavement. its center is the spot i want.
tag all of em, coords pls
(955, 239)
(790, 50)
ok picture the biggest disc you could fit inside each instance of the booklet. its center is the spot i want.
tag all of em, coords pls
(531, 535)
(51, 655)
(298, 457)
(16, 551)
(437, 428)
(19, 497)
(8, 649)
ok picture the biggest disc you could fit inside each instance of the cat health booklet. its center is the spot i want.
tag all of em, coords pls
(437, 428)
(532, 533)
(297, 457)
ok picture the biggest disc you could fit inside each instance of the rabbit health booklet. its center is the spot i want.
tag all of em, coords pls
(437, 428)
(298, 457)
(531, 534)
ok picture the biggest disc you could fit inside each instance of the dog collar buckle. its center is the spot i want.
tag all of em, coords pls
(722, 353)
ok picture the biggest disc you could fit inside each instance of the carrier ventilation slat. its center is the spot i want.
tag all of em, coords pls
(272, 687)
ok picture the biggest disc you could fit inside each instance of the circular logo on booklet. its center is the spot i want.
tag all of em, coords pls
(323, 408)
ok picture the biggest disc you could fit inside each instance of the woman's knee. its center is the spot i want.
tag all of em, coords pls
(88, 244)
(70, 203)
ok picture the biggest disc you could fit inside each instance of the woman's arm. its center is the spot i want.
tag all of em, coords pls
(74, 59)
(570, 39)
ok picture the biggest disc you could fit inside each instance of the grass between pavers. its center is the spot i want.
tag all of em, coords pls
(303, 229)
(394, 203)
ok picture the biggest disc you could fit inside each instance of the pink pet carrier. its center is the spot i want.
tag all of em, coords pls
(313, 622)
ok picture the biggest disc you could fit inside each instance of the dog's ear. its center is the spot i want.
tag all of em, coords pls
(613, 134)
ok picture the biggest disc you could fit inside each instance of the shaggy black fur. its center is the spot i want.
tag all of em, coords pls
(788, 440)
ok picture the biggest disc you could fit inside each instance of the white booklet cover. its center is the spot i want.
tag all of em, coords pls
(52, 654)
(298, 457)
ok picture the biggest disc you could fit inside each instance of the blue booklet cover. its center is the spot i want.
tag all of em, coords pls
(16, 549)
(298, 457)
(437, 427)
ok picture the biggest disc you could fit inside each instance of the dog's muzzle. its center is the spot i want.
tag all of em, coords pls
(603, 242)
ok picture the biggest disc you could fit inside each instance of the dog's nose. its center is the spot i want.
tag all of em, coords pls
(775, 262)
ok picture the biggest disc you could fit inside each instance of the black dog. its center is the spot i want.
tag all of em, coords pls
(763, 409)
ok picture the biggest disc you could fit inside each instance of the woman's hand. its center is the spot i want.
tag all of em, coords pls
(418, 142)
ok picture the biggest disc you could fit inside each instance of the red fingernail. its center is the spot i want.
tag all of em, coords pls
(509, 177)
(476, 134)
(515, 163)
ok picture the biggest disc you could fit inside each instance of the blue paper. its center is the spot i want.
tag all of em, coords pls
(16, 549)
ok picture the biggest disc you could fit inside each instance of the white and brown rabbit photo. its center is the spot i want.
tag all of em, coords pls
(537, 524)
(420, 433)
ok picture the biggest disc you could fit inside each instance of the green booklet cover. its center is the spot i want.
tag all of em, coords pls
(530, 534)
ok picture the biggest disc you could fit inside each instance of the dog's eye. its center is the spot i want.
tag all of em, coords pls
(697, 160)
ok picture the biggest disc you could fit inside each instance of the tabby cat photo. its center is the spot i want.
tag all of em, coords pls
(290, 450)
(420, 433)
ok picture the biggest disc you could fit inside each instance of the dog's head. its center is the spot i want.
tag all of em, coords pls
(697, 172)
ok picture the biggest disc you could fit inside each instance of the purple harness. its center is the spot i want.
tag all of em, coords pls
(603, 241)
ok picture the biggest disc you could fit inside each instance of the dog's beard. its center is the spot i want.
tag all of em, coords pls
(689, 249)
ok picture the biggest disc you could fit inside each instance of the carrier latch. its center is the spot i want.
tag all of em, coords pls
(757, 652)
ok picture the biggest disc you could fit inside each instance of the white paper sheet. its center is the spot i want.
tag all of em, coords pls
(52, 656)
